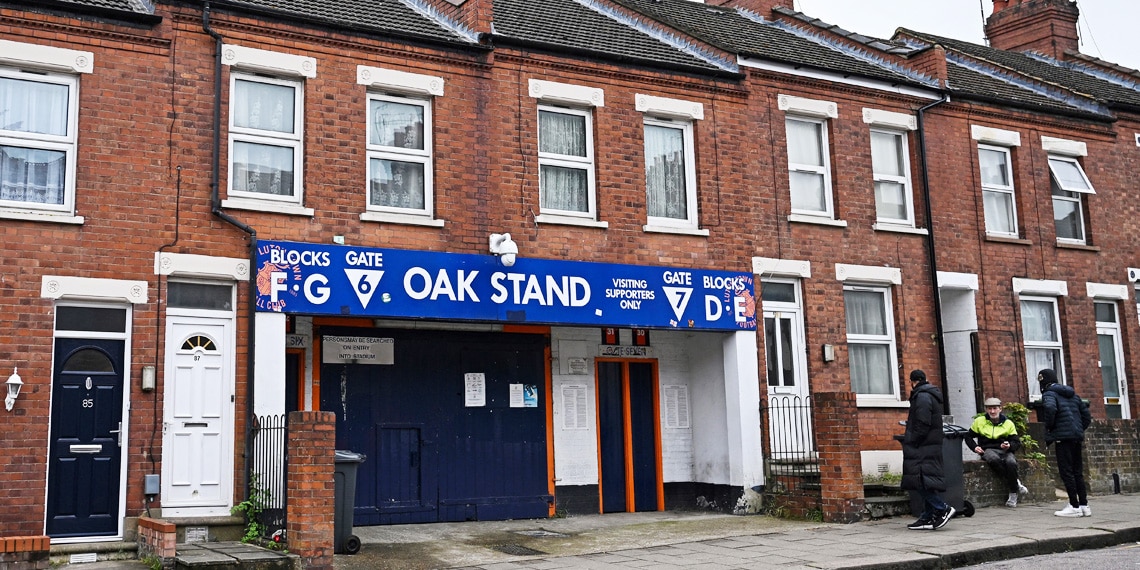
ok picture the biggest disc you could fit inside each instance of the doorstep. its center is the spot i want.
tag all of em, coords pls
(232, 556)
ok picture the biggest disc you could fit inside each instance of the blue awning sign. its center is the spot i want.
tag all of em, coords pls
(320, 279)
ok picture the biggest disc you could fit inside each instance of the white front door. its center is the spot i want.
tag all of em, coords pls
(198, 418)
(789, 407)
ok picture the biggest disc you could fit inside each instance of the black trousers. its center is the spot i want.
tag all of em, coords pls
(1070, 466)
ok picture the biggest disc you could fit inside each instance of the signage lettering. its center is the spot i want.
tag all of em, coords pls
(341, 280)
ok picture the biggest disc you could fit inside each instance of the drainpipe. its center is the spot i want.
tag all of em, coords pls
(932, 257)
(216, 209)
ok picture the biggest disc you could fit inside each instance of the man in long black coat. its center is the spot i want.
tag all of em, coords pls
(922, 453)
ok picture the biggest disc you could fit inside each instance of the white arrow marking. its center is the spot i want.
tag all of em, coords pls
(678, 299)
(364, 283)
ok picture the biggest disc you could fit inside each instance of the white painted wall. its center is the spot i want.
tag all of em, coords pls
(575, 451)
(722, 444)
(269, 364)
(742, 391)
(959, 319)
(710, 424)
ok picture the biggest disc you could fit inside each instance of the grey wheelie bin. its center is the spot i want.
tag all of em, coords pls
(344, 542)
(955, 494)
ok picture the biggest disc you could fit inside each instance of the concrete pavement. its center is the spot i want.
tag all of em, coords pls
(688, 540)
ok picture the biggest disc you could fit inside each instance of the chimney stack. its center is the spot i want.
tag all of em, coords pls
(761, 7)
(1043, 26)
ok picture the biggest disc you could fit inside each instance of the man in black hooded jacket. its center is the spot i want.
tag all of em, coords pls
(1066, 417)
(922, 453)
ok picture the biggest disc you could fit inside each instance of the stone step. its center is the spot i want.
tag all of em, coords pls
(887, 506)
(87, 552)
(232, 556)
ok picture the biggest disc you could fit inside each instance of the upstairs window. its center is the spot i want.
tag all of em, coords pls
(670, 173)
(399, 155)
(265, 138)
(566, 161)
(266, 129)
(998, 190)
(891, 169)
(39, 110)
(809, 169)
(1069, 185)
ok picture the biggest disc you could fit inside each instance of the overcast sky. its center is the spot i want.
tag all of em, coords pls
(1108, 28)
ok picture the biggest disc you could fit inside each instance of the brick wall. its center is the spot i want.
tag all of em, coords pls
(1112, 447)
(25, 553)
(157, 538)
(840, 467)
(311, 491)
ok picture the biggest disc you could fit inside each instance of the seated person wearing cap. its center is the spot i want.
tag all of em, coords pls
(994, 437)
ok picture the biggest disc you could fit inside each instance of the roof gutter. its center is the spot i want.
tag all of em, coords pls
(216, 209)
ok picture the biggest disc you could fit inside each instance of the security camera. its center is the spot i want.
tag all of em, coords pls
(502, 246)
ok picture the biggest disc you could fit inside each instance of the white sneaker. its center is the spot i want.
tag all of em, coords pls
(1085, 511)
(1012, 500)
(1069, 511)
(1022, 488)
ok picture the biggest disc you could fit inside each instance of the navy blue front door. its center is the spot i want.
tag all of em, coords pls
(86, 421)
(429, 457)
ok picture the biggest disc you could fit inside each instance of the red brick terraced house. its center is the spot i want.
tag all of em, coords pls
(534, 255)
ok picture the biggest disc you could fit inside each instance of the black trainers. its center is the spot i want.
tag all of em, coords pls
(921, 524)
(944, 517)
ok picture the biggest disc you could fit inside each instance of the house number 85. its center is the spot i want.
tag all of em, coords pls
(89, 402)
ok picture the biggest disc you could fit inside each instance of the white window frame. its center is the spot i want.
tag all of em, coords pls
(690, 156)
(1072, 195)
(585, 163)
(399, 154)
(1010, 190)
(293, 140)
(67, 143)
(1027, 344)
(887, 339)
(825, 152)
(904, 180)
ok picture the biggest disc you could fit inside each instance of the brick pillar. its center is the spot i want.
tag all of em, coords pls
(25, 553)
(311, 490)
(840, 465)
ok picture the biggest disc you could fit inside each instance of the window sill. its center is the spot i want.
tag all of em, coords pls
(400, 219)
(817, 220)
(40, 217)
(900, 229)
(1007, 239)
(659, 229)
(569, 221)
(862, 401)
(1078, 246)
(271, 207)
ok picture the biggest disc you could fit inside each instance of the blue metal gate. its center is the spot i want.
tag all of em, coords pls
(431, 458)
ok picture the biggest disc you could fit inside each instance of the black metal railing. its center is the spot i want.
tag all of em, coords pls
(790, 450)
(266, 488)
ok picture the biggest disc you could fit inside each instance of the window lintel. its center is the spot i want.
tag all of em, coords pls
(666, 107)
(273, 62)
(399, 81)
(46, 57)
